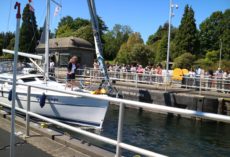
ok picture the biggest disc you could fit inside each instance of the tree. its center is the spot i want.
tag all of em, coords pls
(114, 39)
(5, 39)
(125, 54)
(225, 37)
(79, 22)
(212, 56)
(134, 38)
(162, 31)
(86, 33)
(28, 31)
(66, 21)
(141, 54)
(186, 39)
(162, 49)
(64, 31)
(184, 61)
(210, 32)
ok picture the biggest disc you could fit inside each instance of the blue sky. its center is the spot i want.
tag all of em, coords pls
(143, 16)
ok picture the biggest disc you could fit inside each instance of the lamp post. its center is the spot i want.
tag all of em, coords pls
(220, 53)
(171, 7)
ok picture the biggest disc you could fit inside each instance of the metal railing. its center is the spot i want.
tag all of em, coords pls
(121, 102)
(207, 84)
(213, 84)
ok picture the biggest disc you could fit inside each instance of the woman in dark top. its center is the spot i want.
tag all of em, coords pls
(71, 71)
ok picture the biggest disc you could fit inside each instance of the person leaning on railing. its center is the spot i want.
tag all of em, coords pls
(219, 77)
(226, 79)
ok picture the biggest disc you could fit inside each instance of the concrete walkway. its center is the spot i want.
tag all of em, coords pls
(22, 148)
(37, 145)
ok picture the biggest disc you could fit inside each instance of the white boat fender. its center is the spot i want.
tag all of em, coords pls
(10, 95)
(42, 100)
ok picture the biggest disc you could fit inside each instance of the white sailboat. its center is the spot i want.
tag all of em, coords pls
(65, 107)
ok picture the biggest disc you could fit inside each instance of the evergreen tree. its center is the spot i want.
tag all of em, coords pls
(186, 39)
(162, 30)
(5, 39)
(210, 32)
(225, 37)
(28, 32)
(162, 49)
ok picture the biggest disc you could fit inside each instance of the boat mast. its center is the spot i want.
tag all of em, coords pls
(97, 40)
(46, 65)
(12, 135)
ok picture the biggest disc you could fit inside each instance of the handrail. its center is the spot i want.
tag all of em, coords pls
(156, 79)
(89, 134)
(121, 102)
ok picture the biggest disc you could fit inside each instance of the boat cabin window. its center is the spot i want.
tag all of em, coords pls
(28, 79)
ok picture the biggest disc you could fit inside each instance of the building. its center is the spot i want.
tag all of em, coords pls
(61, 50)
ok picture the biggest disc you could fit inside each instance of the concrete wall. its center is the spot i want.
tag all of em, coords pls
(180, 100)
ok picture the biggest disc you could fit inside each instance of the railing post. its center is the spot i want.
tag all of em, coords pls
(27, 110)
(120, 129)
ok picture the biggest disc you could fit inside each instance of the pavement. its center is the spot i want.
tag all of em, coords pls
(22, 148)
(36, 145)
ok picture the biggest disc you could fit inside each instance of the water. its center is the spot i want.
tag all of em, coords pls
(168, 135)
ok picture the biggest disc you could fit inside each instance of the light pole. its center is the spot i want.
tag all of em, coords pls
(220, 53)
(171, 7)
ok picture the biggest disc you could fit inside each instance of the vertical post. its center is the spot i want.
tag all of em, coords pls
(46, 65)
(169, 32)
(27, 110)
(220, 53)
(120, 129)
(200, 85)
(12, 135)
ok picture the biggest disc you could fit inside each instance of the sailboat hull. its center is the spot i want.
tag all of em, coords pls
(64, 107)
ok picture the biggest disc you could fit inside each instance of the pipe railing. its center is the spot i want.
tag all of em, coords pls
(155, 79)
(121, 102)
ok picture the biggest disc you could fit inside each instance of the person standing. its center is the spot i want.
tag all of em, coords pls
(197, 77)
(52, 68)
(219, 77)
(71, 71)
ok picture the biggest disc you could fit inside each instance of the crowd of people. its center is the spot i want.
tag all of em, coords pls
(211, 79)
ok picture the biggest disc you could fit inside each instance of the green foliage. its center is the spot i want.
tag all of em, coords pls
(5, 40)
(63, 30)
(186, 39)
(162, 49)
(210, 31)
(225, 37)
(28, 32)
(85, 33)
(141, 54)
(212, 56)
(161, 32)
(114, 39)
(79, 27)
(205, 63)
(123, 55)
(185, 61)
(159, 40)
(66, 21)
(134, 50)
